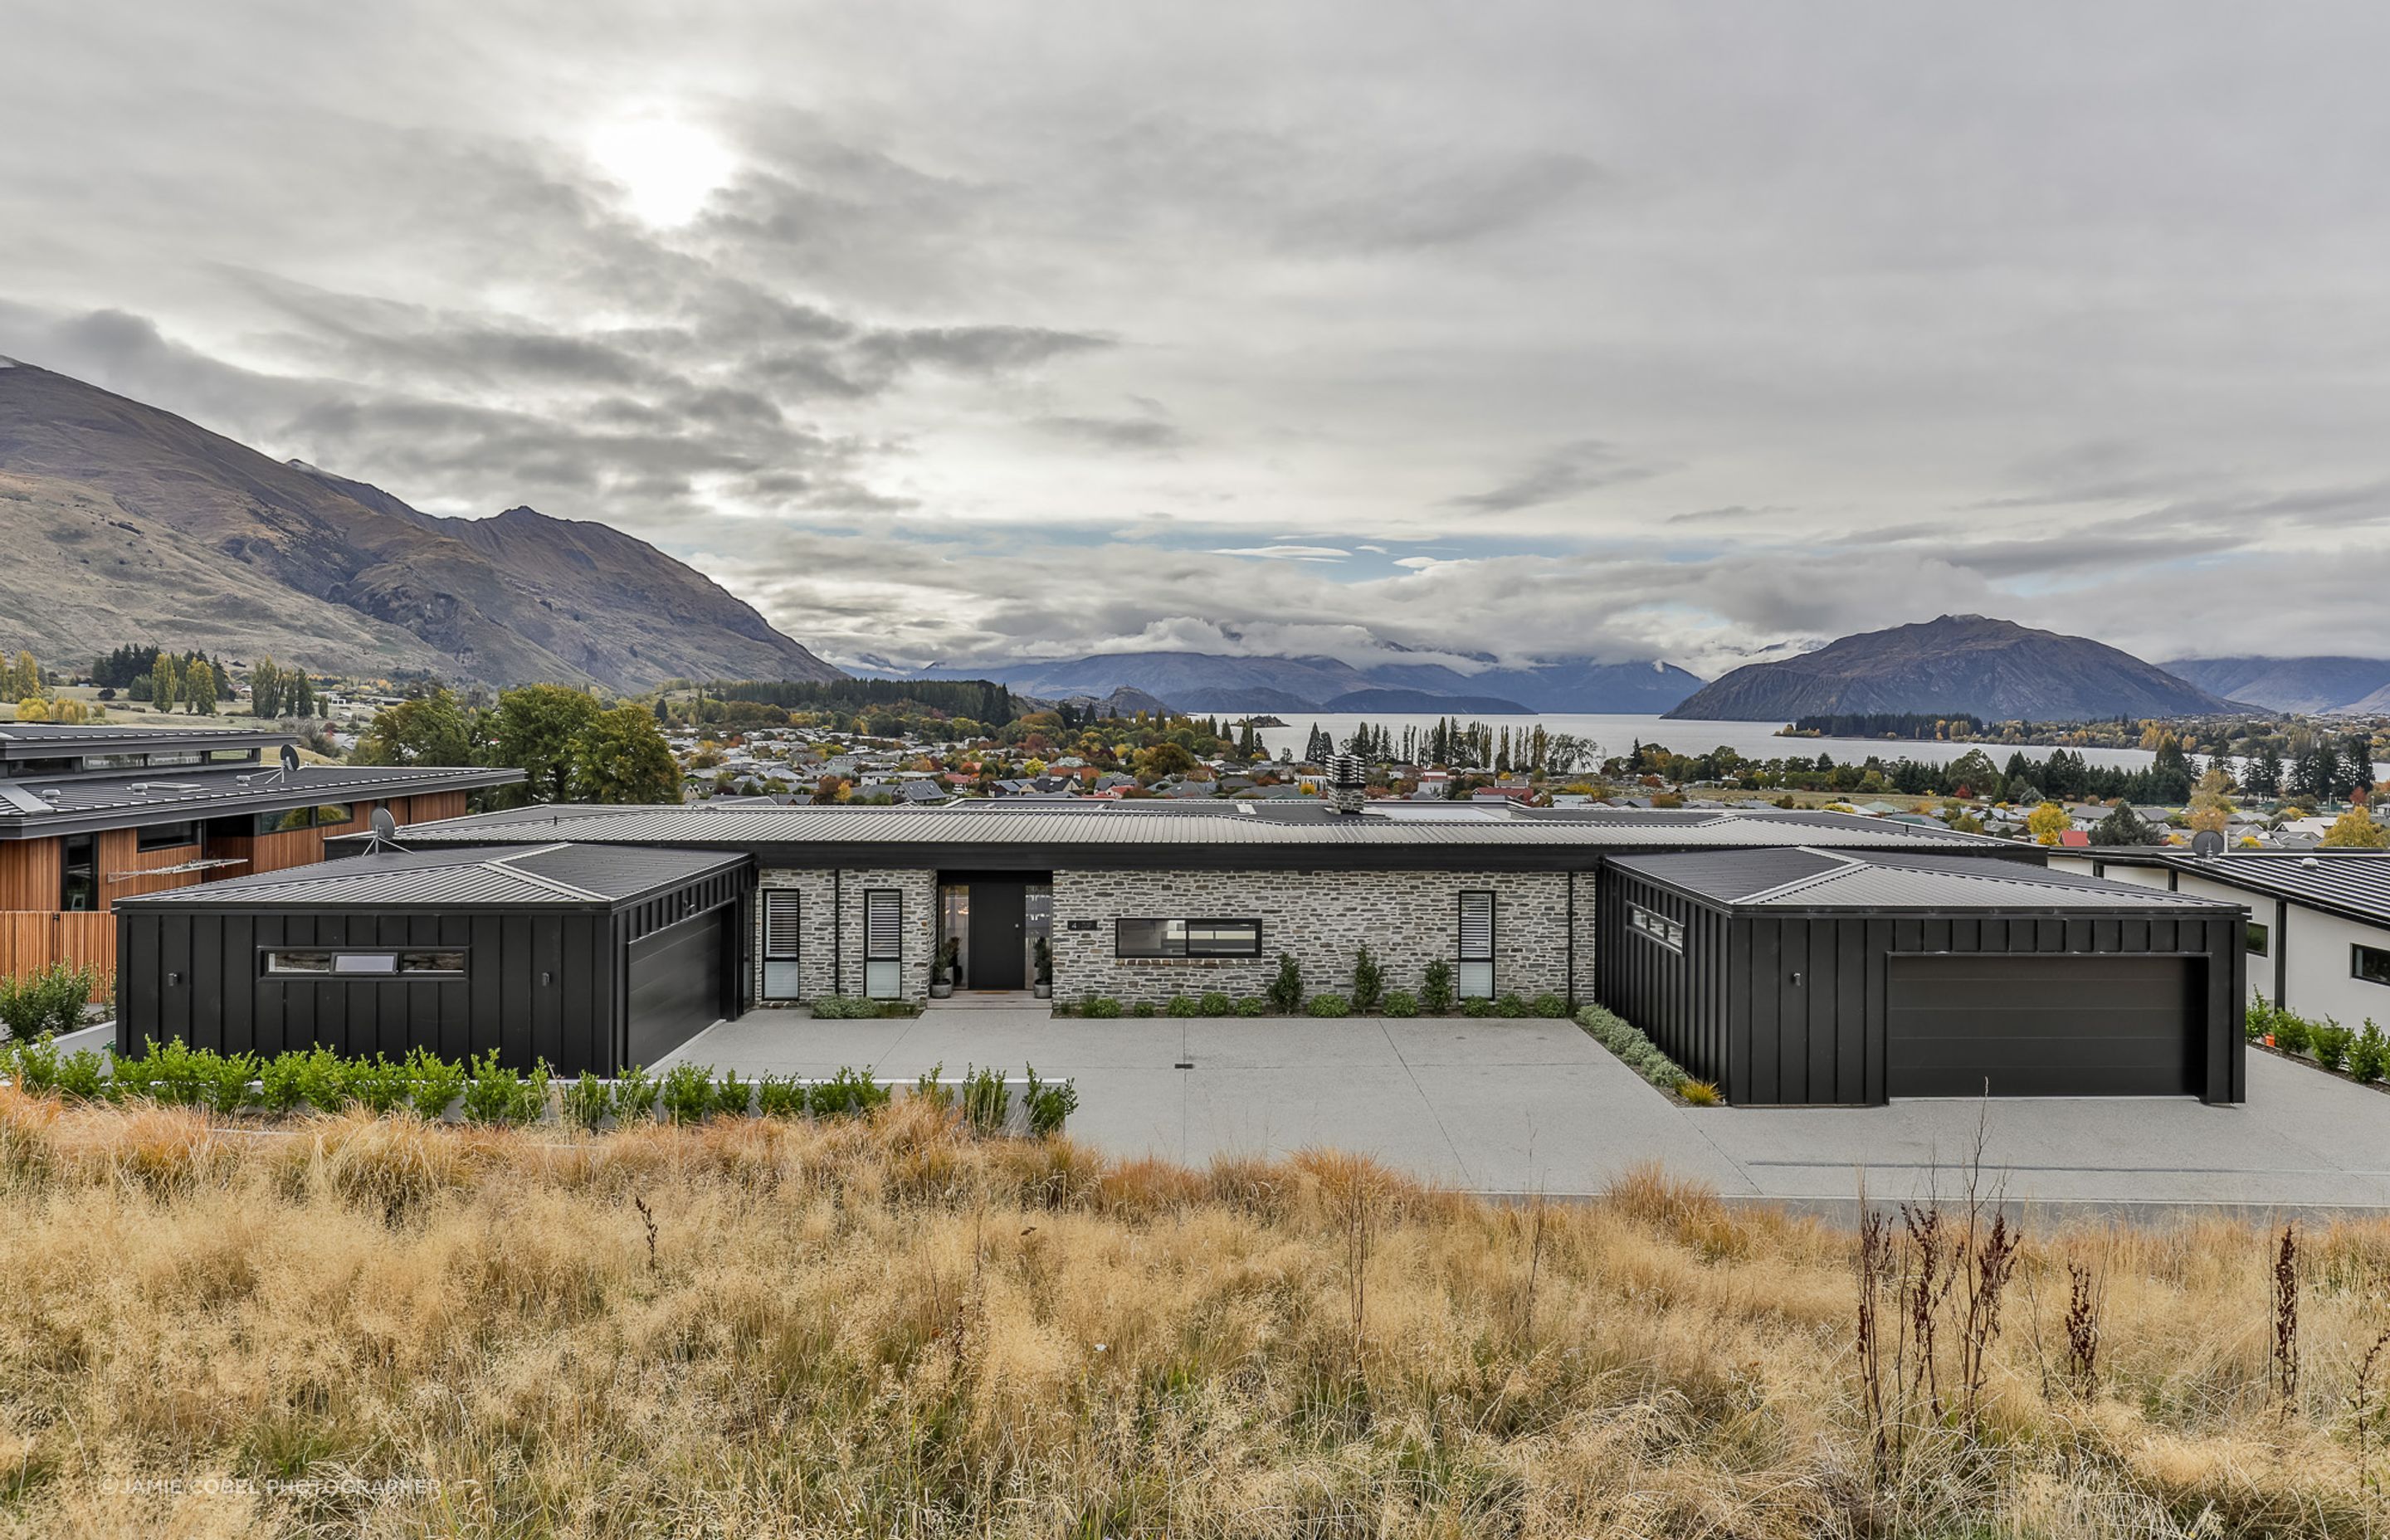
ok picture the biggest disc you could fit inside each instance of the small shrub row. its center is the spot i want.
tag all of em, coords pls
(2363, 1054)
(1285, 997)
(1643, 1056)
(47, 1001)
(855, 1008)
(482, 1090)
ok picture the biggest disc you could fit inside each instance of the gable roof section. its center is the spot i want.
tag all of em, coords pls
(547, 875)
(1806, 879)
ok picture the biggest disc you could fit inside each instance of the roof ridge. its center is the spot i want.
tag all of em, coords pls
(1796, 884)
(503, 863)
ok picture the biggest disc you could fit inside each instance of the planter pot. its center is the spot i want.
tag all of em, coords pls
(1045, 992)
(940, 992)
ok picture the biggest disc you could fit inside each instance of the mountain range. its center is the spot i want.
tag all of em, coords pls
(2314, 685)
(131, 524)
(1223, 681)
(1994, 668)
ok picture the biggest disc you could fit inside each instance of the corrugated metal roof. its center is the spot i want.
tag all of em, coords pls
(898, 828)
(1809, 878)
(185, 784)
(2354, 881)
(545, 875)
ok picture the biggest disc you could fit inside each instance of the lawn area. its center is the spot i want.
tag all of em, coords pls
(890, 1326)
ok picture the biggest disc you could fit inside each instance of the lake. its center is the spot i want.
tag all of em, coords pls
(1617, 734)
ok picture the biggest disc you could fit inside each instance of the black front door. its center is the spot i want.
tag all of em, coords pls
(997, 912)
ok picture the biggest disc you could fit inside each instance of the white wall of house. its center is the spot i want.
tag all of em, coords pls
(2311, 947)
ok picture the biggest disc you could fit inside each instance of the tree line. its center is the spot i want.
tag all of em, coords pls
(570, 746)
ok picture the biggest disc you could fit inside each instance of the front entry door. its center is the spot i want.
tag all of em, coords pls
(998, 913)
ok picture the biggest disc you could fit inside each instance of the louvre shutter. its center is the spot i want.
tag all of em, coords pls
(883, 914)
(1475, 974)
(781, 980)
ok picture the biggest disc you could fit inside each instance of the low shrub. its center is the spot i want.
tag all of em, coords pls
(733, 1098)
(228, 1079)
(586, 1102)
(432, 1084)
(1182, 1005)
(986, 1100)
(1285, 990)
(47, 1001)
(1477, 1006)
(1547, 1004)
(2330, 1042)
(82, 1076)
(1401, 1002)
(779, 1096)
(378, 1085)
(1512, 1004)
(1639, 1054)
(2290, 1032)
(926, 1087)
(1435, 988)
(2369, 1055)
(1047, 1105)
(322, 1078)
(1216, 1003)
(845, 1007)
(497, 1094)
(687, 1093)
(635, 1095)
(1251, 1004)
(848, 1093)
(1700, 1093)
(33, 1064)
(1143, 1008)
(1369, 982)
(1328, 1005)
(1103, 1006)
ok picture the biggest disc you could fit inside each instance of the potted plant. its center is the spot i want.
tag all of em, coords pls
(942, 974)
(1044, 953)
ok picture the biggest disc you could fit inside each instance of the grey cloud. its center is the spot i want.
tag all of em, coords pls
(1556, 477)
(1114, 432)
(975, 350)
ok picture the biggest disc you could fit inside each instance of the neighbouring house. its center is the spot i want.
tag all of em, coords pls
(2317, 932)
(93, 814)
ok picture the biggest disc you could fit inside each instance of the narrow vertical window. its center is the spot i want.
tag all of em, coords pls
(1476, 971)
(883, 942)
(780, 976)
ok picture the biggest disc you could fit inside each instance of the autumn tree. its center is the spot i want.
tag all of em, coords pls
(2047, 822)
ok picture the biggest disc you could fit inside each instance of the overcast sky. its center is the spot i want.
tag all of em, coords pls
(957, 331)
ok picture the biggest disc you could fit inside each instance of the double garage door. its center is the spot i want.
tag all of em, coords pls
(675, 985)
(2033, 1025)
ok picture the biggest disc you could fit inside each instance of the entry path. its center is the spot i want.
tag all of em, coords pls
(1513, 1105)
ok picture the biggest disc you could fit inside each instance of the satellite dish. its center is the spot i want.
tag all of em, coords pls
(289, 760)
(384, 826)
(2207, 842)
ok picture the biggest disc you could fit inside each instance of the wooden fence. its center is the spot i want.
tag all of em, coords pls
(31, 940)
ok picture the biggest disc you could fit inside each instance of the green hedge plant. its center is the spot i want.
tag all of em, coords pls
(1286, 989)
(1401, 1002)
(1217, 1002)
(1435, 988)
(2369, 1055)
(1183, 1005)
(1636, 1051)
(1251, 1004)
(1369, 982)
(1328, 1005)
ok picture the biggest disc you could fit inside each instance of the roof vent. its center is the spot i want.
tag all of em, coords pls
(1346, 785)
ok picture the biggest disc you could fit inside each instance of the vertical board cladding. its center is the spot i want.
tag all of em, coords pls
(1676, 996)
(1323, 919)
(830, 928)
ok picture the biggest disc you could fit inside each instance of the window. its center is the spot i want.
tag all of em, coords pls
(330, 816)
(1187, 938)
(1475, 974)
(79, 874)
(333, 815)
(2371, 964)
(1657, 927)
(781, 978)
(883, 942)
(166, 836)
(448, 964)
(2253, 939)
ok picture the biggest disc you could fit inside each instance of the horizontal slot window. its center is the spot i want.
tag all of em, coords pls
(1187, 938)
(1658, 926)
(330, 816)
(311, 963)
(166, 836)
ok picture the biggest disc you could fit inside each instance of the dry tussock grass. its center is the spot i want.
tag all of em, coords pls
(891, 1328)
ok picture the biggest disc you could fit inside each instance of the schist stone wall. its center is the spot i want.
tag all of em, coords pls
(1408, 919)
(831, 945)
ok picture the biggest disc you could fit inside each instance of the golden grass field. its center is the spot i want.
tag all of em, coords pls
(893, 1327)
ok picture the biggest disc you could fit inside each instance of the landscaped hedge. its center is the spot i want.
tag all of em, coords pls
(2362, 1054)
(1643, 1056)
(481, 1090)
(854, 1007)
(48, 1000)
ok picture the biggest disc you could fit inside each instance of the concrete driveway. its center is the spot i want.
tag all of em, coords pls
(1520, 1106)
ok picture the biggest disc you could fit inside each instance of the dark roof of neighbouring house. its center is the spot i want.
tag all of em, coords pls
(547, 875)
(53, 740)
(1015, 832)
(2354, 883)
(36, 807)
(1809, 878)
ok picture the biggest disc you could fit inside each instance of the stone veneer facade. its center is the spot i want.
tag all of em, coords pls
(829, 943)
(1408, 919)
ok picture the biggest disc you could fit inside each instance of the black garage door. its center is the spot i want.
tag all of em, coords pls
(2041, 1026)
(675, 985)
